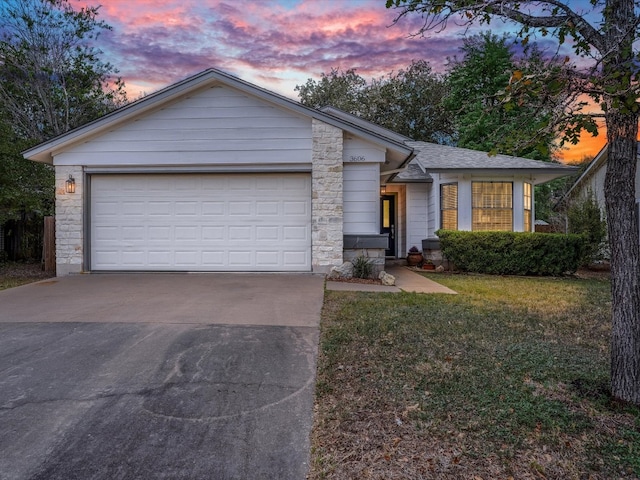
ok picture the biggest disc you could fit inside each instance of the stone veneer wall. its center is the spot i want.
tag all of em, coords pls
(326, 200)
(375, 255)
(69, 222)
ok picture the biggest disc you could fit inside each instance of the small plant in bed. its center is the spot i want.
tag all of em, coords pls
(362, 267)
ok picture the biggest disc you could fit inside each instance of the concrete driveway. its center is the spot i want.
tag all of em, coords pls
(141, 376)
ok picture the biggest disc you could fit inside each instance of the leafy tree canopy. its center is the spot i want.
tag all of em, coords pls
(408, 102)
(25, 186)
(51, 75)
(482, 120)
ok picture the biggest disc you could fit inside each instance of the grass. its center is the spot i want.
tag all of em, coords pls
(508, 379)
(14, 274)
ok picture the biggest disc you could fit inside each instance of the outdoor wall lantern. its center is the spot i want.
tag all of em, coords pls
(383, 189)
(70, 185)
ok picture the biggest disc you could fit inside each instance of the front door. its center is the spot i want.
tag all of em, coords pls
(388, 222)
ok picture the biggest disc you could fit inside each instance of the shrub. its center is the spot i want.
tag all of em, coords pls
(585, 218)
(512, 253)
(362, 267)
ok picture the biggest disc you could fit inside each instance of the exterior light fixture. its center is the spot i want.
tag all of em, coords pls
(70, 185)
(383, 189)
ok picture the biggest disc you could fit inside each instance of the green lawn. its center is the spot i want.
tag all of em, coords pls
(508, 379)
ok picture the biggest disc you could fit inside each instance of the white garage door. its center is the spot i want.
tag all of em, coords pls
(201, 222)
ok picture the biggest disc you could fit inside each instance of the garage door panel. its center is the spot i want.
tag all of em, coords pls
(132, 257)
(296, 257)
(213, 208)
(189, 209)
(133, 234)
(213, 258)
(267, 208)
(295, 234)
(187, 258)
(210, 234)
(159, 258)
(104, 208)
(221, 222)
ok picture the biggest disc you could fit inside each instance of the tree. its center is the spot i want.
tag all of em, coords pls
(608, 73)
(343, 90)
(475, 85)
(51, 77)
(25, 186)
(585, 218)
(408, 102)
(51, 80)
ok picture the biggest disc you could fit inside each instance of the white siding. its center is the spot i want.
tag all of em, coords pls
(361, 198)
(216, 125)
(358, 150)
(417, 197)
(595, 185)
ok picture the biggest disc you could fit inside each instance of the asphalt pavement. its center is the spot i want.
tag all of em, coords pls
(151, 376)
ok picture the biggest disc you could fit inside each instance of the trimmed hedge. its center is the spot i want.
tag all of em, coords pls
(512, 253)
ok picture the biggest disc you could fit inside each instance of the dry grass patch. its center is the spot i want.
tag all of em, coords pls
(506, 379)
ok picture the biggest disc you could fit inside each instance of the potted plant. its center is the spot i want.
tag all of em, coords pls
(414, 256)
(428, 265)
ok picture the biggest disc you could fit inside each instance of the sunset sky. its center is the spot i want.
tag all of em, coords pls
(276, 44)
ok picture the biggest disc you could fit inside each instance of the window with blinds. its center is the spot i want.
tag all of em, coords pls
(492, 206)
(449, 206)
(528, 217)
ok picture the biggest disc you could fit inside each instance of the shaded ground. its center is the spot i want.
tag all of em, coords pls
(13, 274)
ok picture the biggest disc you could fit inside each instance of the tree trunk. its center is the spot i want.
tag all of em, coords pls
(622, 223)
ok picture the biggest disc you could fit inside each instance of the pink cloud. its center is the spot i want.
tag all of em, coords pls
(152, 36)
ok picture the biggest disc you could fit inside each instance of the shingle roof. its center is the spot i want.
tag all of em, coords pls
(434, 157)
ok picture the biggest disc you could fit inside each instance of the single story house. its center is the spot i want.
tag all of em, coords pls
(217, 174)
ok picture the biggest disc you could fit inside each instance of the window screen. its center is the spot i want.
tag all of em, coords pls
(449, 206)
(492, 206)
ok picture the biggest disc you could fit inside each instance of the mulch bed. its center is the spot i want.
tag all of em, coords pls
(23, 270)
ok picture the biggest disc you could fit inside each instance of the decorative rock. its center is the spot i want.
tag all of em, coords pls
(440, 268)
(343, 271)
(387, 279)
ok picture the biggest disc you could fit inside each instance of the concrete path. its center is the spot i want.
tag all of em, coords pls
(406, 281)
(158, 376)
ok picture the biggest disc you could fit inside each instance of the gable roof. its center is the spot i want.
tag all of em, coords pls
(44, 152)
(434, 158)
